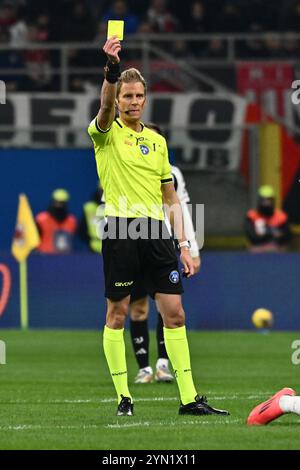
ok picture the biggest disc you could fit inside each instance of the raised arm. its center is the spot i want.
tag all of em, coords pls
(106, 113)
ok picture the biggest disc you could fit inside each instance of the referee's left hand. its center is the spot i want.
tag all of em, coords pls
(187, 262)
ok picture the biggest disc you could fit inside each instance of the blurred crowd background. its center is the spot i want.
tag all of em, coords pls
(220, 78)
(24, 22)
(222, 85)
(86, 17)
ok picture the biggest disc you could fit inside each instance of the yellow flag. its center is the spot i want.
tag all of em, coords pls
(26, 236)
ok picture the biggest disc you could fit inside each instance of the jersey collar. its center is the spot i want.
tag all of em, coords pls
(122, 125)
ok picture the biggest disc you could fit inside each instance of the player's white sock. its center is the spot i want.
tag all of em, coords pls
(290, 404)
(162, 363)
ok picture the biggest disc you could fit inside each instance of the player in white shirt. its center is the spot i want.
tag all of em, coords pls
(139, 305)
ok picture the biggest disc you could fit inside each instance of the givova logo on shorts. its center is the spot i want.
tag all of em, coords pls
(123, 284)
(174, 277)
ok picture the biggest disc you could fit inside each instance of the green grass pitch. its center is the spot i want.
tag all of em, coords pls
(56, 393)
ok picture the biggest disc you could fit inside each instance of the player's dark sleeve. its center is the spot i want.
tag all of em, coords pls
(175, 182)
(253, 237)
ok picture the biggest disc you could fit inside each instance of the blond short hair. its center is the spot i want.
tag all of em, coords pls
(130, 76)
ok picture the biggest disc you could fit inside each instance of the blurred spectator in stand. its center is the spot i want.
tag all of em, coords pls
(181, 50)
(37, 60)
(273, 47)
(292, 21)
(84, 29)
(79, 25)
(77, 84)
(120, 11)
(80, 82)
(60, 14)
(160, 17)
(230, 19)
(8, 14)
(196, 23)
(18, 31)
(93, 212)
(216, 49)
(290, 47)
(145, 27)
(93, 6)
(197, 20)
(10, 59)
(56, 225)
(264, 13)
(267, 228)
(253, 48)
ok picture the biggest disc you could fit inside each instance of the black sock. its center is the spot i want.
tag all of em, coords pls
(140, 341)
(161, 349)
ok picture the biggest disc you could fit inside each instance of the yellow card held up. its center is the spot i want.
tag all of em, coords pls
(115, 28)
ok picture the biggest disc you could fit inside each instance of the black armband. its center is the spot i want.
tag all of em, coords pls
(112, 72)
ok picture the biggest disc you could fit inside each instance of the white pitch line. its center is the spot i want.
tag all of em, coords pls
(37, 427)
(172, 423)
(147, 399)
(128, 425)
(103, 400)
(109, 400)
(47, 402)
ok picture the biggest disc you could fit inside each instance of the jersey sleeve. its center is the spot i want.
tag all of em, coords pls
(166, 176)
(99, 136)
(189, 230)
(179, 184)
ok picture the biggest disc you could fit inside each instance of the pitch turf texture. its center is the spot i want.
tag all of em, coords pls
(56, 393)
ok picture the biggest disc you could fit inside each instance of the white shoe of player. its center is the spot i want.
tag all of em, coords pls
(144, 376)
(163, 374)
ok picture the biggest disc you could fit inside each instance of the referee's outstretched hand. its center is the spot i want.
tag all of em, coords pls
(112, 47)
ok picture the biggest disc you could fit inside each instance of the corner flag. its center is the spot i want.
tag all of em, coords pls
(26, 236)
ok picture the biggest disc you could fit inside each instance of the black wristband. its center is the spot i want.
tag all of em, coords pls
(112, 72)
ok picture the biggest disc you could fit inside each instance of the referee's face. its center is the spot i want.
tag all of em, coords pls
(131, 101)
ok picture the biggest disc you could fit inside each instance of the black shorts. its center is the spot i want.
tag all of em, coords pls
(138, 292)
(141, 263)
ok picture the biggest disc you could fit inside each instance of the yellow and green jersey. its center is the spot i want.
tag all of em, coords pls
(131, 167)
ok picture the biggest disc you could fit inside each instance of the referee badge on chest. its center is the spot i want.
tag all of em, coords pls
(174, 277)
(144, 149)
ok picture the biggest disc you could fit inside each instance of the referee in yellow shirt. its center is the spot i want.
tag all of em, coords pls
(134, 170)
